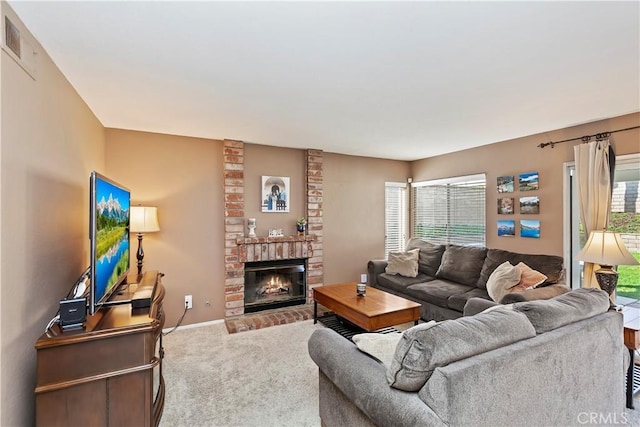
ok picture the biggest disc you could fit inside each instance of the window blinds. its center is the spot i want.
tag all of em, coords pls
(395, 217)
(450, 211)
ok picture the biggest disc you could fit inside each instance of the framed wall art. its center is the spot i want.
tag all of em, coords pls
(528, 181)
(530, 228)
(505, 205)
(275, 194)
(505, 184)
(506, 228)
(530, 205)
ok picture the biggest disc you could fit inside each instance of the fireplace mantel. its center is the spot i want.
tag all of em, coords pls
(254, 240)
(253, 249)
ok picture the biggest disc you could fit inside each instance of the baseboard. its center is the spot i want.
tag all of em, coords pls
(195, 325)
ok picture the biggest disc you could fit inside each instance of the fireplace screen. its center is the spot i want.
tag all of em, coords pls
(273, 284)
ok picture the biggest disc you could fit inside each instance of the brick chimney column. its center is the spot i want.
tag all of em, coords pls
(314, 194)
(233, 227)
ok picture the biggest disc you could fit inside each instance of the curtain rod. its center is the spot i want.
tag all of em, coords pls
(587, 138)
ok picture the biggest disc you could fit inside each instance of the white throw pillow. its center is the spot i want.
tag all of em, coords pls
(380, 346)
(403, 263)
(503, 278)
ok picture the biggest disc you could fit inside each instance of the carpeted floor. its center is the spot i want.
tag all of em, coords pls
(262, 377)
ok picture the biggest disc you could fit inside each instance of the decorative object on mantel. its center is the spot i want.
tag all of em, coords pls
(143, 219)
(275, 191)
(606, 249)
(301, 226)
(251, 224)
(276, 232)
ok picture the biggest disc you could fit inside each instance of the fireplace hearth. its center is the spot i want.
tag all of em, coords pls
(274, 284)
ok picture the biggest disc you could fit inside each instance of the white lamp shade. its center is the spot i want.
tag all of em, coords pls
(144, 219)
(606, 248)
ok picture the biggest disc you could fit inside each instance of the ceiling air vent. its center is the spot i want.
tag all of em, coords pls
(17, 45)
(12, 36)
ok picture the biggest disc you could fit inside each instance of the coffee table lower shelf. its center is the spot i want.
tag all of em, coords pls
(346, 328)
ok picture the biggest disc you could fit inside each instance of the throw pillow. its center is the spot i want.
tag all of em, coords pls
(425, 347)
(503, 278)
(403, 263)
(380, 346)
(529, 278)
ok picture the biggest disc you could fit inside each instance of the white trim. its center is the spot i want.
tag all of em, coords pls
(567, 167)
(194, 325)
(395, 184)
(452, 180)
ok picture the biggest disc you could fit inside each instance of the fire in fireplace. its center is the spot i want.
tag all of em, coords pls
(274, 284)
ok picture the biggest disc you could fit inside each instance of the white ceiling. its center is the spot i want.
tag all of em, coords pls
(398, 80)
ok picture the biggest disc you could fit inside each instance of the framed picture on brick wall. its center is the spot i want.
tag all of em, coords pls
(275, 194)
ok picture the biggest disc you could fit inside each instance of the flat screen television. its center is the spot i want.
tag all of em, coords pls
(109, 235)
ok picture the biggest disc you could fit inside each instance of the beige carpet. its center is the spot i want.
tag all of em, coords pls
(263, 378)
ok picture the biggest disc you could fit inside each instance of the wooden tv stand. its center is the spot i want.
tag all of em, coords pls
(108, 373)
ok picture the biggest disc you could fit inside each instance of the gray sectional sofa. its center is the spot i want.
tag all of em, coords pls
(550, 362)
(450, 275)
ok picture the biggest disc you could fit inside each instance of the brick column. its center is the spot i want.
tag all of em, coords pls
(233, 226)
(314, 194)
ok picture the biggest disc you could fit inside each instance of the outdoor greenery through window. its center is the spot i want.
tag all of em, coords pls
(450, 211)
(625, 219)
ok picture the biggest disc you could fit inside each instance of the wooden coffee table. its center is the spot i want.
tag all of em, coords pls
(376, 310)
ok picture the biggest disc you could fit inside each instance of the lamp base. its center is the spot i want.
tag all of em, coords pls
(140, 254)
(607, 278)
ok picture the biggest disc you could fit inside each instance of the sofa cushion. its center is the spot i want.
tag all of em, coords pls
(400, 283)
(424, 348)
(403, 263)
(539, 293)
(462, 264)
(549, 265)
(437, 292)
(503, 278)
(430, 255)
(579, 304)
(458, 301)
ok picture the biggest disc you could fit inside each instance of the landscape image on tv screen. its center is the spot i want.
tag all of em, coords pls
(112, 236)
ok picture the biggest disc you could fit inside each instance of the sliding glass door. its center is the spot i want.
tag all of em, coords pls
(624, 219)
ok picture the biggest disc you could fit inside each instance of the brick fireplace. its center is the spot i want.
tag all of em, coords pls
(240, 249)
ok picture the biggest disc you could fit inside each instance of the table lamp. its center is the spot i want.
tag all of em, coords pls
(144, 219)
(606, 249)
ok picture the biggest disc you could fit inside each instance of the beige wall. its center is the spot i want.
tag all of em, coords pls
(523, 155)
(183, 177)
(354, 212)
(50, 142)
(262, 160)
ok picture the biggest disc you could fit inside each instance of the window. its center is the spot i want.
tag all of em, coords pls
(450, 211)
(395, 218)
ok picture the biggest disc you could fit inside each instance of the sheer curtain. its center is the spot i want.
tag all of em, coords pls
(595, 164)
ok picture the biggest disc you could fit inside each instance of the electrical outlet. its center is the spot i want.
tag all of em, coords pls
(188, 301)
